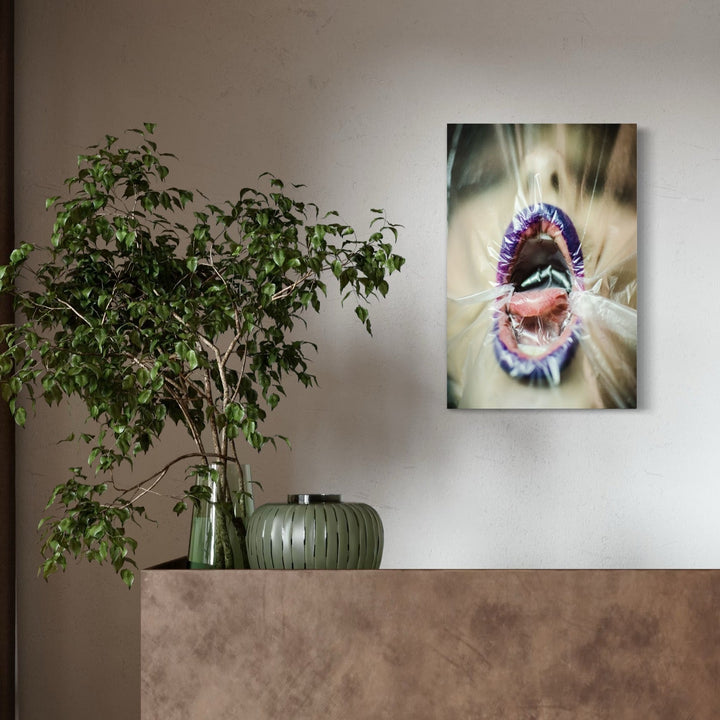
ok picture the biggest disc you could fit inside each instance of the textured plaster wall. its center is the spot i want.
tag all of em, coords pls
(352, 99)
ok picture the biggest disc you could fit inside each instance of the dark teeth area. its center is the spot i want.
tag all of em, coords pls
(540, 264)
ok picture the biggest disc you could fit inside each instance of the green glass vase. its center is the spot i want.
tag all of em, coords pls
(217, 534)
(315, 532)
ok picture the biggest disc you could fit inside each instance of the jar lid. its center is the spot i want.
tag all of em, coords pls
(307, 499)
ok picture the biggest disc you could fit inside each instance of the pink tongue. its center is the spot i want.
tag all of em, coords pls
(550, 304)
(537, 315)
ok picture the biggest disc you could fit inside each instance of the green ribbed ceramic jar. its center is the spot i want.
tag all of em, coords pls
(315, 532)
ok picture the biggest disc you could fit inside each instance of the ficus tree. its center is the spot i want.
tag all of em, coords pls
(149, 307)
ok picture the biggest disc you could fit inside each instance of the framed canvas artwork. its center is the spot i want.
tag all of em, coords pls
(541, 266)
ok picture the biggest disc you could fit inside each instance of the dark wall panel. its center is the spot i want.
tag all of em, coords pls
(7, 471)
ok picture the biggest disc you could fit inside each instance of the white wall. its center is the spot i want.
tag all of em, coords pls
(352, 98)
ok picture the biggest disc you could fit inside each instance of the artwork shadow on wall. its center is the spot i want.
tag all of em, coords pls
(542, 266)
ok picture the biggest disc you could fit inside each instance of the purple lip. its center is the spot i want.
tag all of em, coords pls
(524, 222)
(535, 333)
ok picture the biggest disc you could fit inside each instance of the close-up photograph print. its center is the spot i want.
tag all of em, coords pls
(542, 266)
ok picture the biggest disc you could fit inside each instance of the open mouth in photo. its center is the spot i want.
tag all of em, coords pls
(541, 262)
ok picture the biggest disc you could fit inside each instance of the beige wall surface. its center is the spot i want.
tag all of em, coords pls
(352, 99)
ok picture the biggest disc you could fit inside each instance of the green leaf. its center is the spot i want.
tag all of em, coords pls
(234, 412)
(191, 359)
(128, 577)
(18, 255)
(95, 531)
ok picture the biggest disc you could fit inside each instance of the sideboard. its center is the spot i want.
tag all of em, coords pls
(431, 645)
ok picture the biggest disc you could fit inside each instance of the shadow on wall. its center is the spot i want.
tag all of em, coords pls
(645, 330)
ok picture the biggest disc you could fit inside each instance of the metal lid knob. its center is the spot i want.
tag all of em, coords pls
(308, 499)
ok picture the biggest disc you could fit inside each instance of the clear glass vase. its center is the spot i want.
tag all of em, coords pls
(218, 531)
